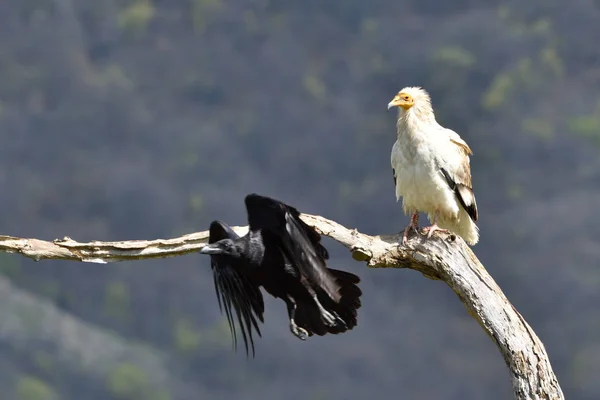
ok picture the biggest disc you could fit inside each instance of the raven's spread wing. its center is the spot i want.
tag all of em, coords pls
(234, 289)
(300, 243)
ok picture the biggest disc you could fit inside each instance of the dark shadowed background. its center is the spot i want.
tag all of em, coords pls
(143, 119)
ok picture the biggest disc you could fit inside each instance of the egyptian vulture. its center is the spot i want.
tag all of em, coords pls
(284, 256)
(431, 169)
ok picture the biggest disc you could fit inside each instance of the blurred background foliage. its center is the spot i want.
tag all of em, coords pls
(141, 119)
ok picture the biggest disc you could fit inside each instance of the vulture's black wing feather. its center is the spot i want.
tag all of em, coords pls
(235, 290)
(300, 243)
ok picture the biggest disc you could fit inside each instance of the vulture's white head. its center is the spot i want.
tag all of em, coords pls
(413, 100)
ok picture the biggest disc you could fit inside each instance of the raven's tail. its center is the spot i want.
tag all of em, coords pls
(344, 311)
(347, 307)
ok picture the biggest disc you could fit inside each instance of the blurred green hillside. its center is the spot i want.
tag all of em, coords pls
(140, 119)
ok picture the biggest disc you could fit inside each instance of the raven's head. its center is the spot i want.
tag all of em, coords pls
(225, 247)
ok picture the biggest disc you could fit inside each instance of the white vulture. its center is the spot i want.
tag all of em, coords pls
(431, 169)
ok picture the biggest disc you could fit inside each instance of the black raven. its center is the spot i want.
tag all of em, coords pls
(284, 256)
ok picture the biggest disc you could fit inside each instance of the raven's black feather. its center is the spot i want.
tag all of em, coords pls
(285, 256)
(235, 290)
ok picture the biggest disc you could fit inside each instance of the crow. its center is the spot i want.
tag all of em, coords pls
(283, 255)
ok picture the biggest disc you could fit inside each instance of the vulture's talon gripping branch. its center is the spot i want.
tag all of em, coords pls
(414, 224)
(429, 230)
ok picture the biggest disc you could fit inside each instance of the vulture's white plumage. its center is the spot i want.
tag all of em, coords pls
(431, 169)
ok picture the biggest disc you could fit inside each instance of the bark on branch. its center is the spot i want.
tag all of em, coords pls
(445, 257)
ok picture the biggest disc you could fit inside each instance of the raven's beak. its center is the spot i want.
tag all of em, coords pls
(210, 249)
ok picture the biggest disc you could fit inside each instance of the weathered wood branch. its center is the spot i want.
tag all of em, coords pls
(444, 257)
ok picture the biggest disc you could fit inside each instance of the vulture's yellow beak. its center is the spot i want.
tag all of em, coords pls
(401, 100)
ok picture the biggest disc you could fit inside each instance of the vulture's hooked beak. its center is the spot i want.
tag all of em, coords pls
(393, 103)
(211, 249)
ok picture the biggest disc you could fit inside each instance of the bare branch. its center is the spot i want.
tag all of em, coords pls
(445, 257)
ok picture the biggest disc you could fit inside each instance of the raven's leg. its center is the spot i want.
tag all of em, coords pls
(414, 224)
(328, 318)
(300, 333)
(434, 227)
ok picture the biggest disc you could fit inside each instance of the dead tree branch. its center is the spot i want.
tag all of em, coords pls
(446, 258)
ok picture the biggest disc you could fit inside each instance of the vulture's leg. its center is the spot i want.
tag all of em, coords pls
(300, 333)
(414, 224)
(434, 227)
